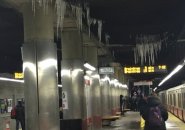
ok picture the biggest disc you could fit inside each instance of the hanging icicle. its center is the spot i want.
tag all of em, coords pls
(99, 29)
(79, 17)
(107, 37)
(77, 11)
(89, 20)
(147, 48)
(60, 7)
(44, 3)
(94, 21)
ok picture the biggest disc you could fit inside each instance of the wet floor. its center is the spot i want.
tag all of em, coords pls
(130, 121)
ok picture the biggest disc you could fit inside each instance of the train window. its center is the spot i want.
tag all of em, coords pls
(179, 100)
(163, 98)
(183, 100)
(170, 99)
(174, 100)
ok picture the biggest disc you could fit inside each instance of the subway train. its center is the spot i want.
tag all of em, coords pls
(174, 99)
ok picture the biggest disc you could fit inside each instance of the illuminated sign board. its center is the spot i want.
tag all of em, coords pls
(141, 83)
(106, 70)
(19, 75)
(145, 69)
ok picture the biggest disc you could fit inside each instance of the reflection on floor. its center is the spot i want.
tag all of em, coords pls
(131, 121)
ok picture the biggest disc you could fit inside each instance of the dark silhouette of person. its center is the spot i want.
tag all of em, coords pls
(142, 103)
(20, 115)
(60, 108)
(121, 104)
(154, 101)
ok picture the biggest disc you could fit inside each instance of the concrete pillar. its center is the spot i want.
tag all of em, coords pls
(96, 101)
(40, 69)
(117, 75)
(72, 68)
(91, 55)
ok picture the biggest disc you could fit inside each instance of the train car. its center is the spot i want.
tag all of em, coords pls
(174, 99)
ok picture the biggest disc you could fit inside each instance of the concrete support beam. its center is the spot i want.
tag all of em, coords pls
(72, 68)
(40, 69)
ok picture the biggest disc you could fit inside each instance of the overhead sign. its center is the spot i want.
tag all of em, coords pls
(145, 69)
(19, 75)
(143, 83)
(106, 70)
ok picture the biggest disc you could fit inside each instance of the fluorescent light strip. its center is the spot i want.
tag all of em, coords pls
(155, 89)
(90, 67)
(20, 81)
(13, 80)
(171, 74)
(60, 85)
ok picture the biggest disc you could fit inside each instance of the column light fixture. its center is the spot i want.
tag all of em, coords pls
(90, 67)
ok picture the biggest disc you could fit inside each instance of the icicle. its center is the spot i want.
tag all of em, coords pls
(99, 29)
(135, 57)
(147, 48)
(79, 17)
(107, 37)
(60, 6)
(89, 20)
(77, 11)
(94, 21)
(33, 6)
(42, 3)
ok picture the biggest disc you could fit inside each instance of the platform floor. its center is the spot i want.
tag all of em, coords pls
(131, 121)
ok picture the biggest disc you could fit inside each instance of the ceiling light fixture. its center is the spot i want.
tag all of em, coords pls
(90, 67)
(179, 67)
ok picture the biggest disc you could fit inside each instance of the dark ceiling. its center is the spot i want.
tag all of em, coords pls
(123, 21)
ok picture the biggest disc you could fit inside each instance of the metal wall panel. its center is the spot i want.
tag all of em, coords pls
(109, 97)
(96, 103)
(73, 85)
(41, 91)
(87, 104)
(47, 86)
(30, 83)
(105, 98)
(72, 63)
(112, 98)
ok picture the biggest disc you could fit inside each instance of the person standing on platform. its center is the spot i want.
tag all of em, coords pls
(121, 104)
(154, 114)
(20, 115)
(142, 103)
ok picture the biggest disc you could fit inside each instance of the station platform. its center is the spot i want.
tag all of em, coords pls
(132, 121)
(129, 121)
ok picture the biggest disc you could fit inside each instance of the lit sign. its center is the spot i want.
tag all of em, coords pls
(141, 83)
(145, 69)
(19, 75)
(106, 70)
